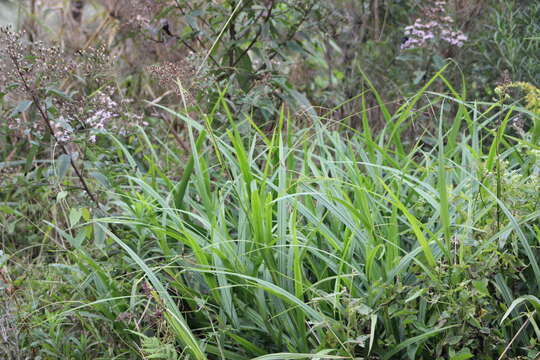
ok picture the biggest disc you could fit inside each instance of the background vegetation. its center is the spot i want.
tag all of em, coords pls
(277, 179)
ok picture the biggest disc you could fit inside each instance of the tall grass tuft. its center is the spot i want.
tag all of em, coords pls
(334, 243)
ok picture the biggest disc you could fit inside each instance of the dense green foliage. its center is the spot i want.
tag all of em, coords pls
(271, 180)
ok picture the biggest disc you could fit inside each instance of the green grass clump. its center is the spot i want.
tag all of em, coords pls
(289, 209)
(323, 242)
(319, 243)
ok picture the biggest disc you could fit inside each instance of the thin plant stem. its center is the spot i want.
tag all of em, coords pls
(47, 121)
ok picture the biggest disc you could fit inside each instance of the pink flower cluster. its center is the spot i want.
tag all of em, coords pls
(103, 115)
(31, 75)
(437, 25)
(457, 38)
(62, 129)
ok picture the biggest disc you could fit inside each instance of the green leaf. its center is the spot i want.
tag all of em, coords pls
(102, 179)
(21, 107)
(59, 93)
(179, 324)
(244, 70)
(8, 210)
(3, 258)
(372, 331)
(415, 226)
(78, 240)
(418, 76)
(462, 355)
(66, 235)
(99, 237)
(31, 156)
(419, 338)
(481, 286)
(85, 214)
(61, 195)
(75, 215)
(64, 162)
(285, 356)
(530, 298)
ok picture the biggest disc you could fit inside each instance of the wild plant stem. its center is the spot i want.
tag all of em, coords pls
(47, 121)
(516, 335)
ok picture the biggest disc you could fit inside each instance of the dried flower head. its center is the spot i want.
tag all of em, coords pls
(31, 66)
(136, 15)
(176, 76)
(38, 75)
